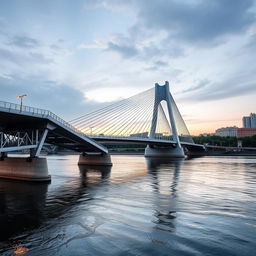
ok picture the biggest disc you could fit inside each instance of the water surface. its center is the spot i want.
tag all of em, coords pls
(203, 206)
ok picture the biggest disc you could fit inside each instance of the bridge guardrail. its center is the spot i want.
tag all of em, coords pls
(38, 111)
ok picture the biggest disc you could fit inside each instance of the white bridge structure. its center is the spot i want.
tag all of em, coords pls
(151, 118)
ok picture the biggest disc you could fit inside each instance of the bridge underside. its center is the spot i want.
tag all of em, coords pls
(189, 147)
(11, 122)
(29, 131)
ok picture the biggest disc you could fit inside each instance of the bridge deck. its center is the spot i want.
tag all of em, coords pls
(12, 118)
(146, 141)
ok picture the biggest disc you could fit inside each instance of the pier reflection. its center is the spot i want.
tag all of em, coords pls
(21, 206)
(166, 191)
(94, 173)
(25, 206)
(157, 167)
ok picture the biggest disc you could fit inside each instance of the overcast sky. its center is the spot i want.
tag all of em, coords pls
(74, 56)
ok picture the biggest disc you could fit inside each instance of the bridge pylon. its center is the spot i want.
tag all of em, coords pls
(162, 93)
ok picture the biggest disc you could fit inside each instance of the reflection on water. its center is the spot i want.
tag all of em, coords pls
(138, 207)
(21, 206)
(94, 172)
(166, 207)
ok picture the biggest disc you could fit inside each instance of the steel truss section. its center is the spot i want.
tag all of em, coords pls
(18, 140)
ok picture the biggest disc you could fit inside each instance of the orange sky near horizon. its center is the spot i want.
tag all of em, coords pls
(207, 116)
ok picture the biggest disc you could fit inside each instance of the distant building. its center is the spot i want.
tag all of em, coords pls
(253, 120)
(249, 121)
(245, 132)
(246, 122)
(226, 131)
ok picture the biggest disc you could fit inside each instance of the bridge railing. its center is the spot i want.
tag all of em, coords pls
(127, 137)
(38, 111)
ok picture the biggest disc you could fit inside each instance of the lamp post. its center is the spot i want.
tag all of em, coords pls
(91, 129)
(21, 97)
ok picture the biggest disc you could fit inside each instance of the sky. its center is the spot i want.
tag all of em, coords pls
(72, 57)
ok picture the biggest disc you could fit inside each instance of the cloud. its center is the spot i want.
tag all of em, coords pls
(57, 49)
(126, 51)
(39, 58)
(22, 51)
(30, 56)
(178, 25)
(236, 85)
(252, 42)
(23, 58)
(59, 98)
(158, 65)
(222, 91)
(97, 44)
(114, 5)
(143, 49)
(201, 85)
(23, 42)
(169, 27)
(161, 63)
(197, 22)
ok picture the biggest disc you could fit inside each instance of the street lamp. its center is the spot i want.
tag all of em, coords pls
(21, 97)
(91, 129)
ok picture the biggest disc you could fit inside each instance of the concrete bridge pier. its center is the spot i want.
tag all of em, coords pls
(21, 168)
(170, 152)
(95, 159)
(30, 168)
(3, 155)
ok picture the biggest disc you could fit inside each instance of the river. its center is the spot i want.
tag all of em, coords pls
(201, 206)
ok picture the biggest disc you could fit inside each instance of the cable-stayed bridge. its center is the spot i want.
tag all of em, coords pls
(150, 118)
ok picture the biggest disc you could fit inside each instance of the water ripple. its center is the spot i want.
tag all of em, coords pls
(203, 206)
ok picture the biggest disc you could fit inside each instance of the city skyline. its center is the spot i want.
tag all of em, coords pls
(75, 57)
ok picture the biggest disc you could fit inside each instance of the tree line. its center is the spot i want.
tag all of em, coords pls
(225, 141)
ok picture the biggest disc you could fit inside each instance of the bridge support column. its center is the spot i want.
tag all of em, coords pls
(3, 155)
(95, 159)
(176, 152)
(30, 169)
(163, 93)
